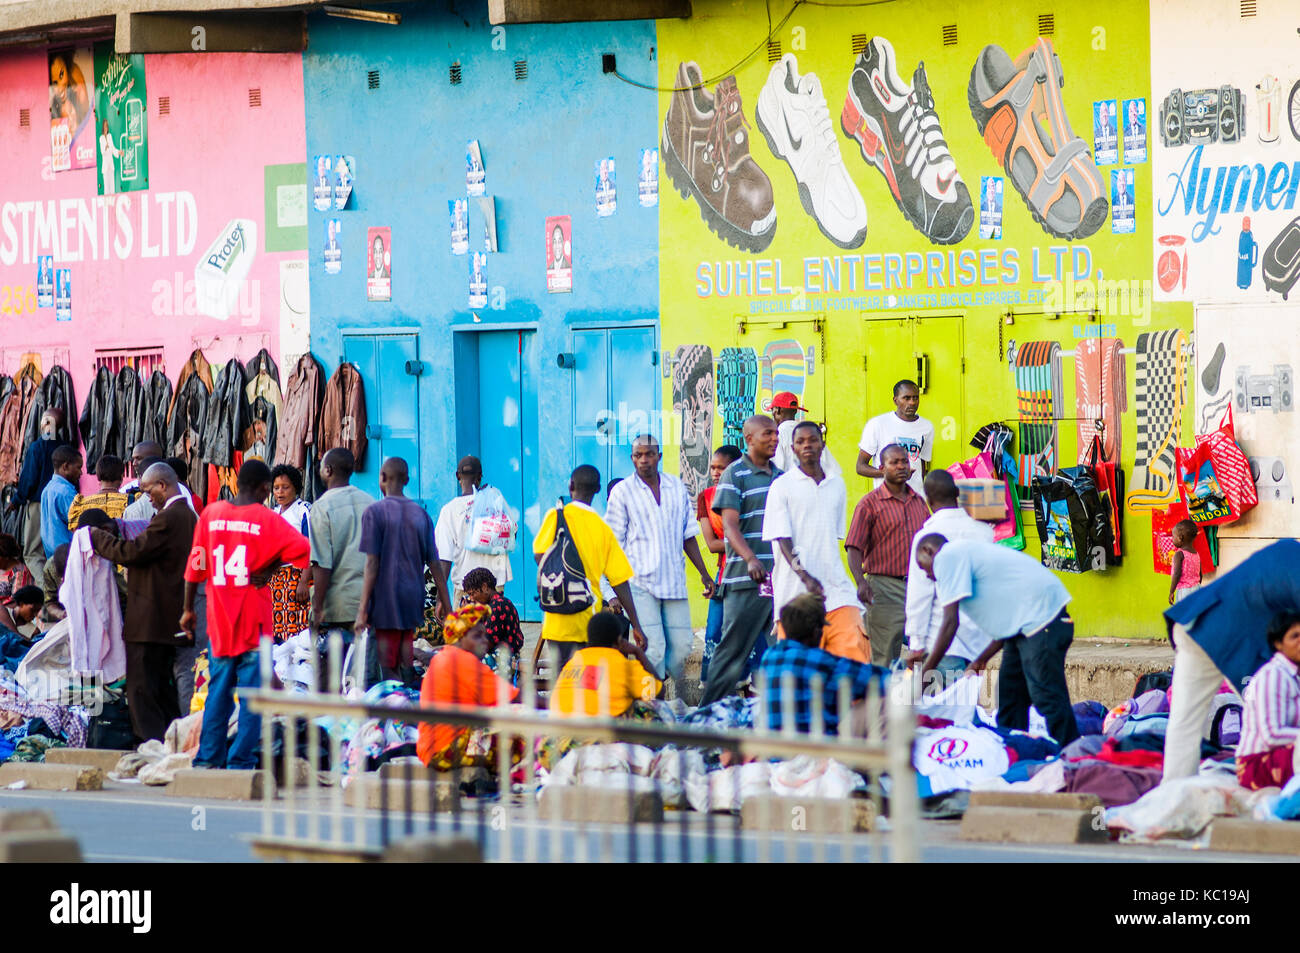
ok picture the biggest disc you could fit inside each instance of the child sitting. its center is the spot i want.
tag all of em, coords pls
(1185, 567)
(601, 679)
(502, 626)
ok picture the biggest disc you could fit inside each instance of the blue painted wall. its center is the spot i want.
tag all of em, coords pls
(540, 139)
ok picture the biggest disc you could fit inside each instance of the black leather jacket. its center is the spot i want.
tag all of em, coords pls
(228, 415)
(55, 392)
(158, 399)
(99, 418)
(131, 411)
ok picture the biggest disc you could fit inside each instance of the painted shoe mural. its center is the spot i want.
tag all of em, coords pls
(1018, 109)
(898, 131)
(793, 118)
(706, 152)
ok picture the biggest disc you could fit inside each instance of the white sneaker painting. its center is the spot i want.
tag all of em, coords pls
(793, 117)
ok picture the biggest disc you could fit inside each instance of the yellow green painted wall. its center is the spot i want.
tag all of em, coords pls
(862, 343)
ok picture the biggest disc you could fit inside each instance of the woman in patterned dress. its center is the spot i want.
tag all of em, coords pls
(286, 492)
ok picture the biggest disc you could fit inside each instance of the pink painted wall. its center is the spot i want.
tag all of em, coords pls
(206, 167)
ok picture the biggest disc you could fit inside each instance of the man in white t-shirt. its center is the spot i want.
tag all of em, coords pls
(1022, 607)
(804, 520)
(453, 527)
(785, 411)
(924, 614)
(903, 426)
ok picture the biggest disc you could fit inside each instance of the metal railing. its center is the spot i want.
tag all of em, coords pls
(596, 803)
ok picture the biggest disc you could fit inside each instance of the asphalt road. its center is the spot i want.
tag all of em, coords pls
(134, 824)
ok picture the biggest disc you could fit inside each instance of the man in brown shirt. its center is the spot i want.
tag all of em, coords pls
(155, 587)
(879, 544)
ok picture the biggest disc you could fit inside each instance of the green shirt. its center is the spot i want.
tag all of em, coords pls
(336, 545)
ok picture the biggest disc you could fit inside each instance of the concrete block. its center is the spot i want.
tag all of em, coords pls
(812, 815)
(1262, 837)
(224, 785)
(433, 849)
(365, 792)
(36, 776)
(1020, 825)
(39, 847)
(105, 759)
(1061, 801)
(594, 806)
(15, 822)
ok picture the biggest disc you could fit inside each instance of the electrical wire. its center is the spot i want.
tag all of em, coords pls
(771, 31)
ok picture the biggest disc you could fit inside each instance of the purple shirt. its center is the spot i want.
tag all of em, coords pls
(400, 533)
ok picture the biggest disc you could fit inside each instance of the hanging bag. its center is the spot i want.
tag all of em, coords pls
(1214, 478)
(491, 526)
(562, 586)
(1110, 487)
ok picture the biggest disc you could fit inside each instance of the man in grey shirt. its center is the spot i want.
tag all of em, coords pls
(337, 564)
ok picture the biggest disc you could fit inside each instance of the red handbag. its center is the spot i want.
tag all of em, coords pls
(1162, 540)
(1110, 487)
(1214, 478)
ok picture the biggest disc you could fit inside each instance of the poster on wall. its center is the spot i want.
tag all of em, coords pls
(123, 134)
(1135, 131)
(475, 174)
(647, 187)
(478, 280)
(345, 172)
(559, 254)
(458, 212)
(1105, 133)
(295, 310)
(333, 246)
(1123, 216)
(487, 210)
(63, 294)
(44, 281)
(72, 98)
(606, 199)
(379, 260)
(322, 188)
(991, 206)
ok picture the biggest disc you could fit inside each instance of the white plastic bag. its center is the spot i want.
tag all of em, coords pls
(491, 524)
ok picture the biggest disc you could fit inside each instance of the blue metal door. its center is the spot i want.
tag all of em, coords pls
(392, 403)
(615, 398)
(501, 365)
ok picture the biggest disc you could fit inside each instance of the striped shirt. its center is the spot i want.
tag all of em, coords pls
(652, 532)
(1271, 716)
(883, 527)
(743, 487)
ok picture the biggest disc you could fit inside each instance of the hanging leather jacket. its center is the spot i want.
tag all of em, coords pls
(98, 421)
(302, 400)
(55, 393)
(13, 420)
(343, 413)
(158, 401)
(9, 403)
(228, 415)
(130, 411)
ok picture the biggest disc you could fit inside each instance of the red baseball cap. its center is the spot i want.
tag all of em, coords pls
(786, 401)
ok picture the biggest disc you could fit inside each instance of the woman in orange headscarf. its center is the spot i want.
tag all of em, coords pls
(457, 676)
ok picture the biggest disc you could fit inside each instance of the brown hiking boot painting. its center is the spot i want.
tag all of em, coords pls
(706, 152)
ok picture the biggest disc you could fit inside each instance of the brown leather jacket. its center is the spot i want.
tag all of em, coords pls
(302, 404)
(343, 415)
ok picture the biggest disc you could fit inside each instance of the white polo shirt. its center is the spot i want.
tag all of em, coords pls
(924, 613)
(812, 516)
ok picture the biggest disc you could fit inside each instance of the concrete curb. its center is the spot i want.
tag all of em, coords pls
(365, 792)
(1060, 801)
(103, 758)
(224, 785)
(811, 815)
(594, 806)
(33, 837)
(1255, 837)
(433, 849)
(36, 776)
(1018, 825)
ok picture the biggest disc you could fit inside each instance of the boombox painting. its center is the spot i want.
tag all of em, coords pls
(1225, 153)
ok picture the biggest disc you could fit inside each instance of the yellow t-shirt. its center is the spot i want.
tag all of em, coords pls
(583, 678)
(601, 556)
(114, 504)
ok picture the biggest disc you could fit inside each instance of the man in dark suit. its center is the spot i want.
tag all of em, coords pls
(155, 589)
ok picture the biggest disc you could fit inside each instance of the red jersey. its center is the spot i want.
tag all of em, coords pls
(231, 545)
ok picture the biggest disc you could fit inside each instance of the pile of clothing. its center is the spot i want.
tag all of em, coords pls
(29, 726)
